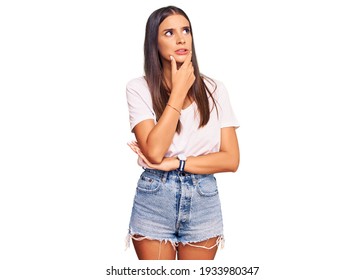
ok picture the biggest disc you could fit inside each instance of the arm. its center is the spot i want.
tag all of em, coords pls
(226, 160)
(154, 140)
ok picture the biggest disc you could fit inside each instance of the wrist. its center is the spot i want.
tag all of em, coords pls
(177, 97)
(182, 162)
(175, 164)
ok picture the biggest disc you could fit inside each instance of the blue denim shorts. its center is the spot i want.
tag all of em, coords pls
(175, 206)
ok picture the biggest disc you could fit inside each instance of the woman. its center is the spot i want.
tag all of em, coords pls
(185, 132)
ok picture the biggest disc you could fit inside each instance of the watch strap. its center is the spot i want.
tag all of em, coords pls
(182, 164)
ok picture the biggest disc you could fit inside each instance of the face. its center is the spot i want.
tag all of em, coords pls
(174, 38)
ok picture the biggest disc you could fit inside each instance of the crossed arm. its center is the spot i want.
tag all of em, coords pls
(225, 160)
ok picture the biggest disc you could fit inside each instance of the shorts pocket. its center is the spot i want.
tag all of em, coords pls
(207, 186)
(148, 184)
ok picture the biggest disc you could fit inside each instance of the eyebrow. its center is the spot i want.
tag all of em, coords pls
(170, 29)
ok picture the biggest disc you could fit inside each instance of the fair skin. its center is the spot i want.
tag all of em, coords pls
(153, 140)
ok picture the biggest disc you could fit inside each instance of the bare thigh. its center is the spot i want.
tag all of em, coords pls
(189, 252)
(154, 250)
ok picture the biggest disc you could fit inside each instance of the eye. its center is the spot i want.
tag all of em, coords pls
(186, 30)
(168, 33)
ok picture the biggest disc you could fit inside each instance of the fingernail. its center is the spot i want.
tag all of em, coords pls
(171, 57)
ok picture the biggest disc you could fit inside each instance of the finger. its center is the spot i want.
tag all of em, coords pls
(130, 145)
(173, 64)
(188, 60)
(145, 159)
(133, 147)
(133, 143)
(135, 151)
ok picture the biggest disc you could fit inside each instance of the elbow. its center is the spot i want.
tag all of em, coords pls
(154, 158)
(154, 153)
(234, 164)
(234, 168)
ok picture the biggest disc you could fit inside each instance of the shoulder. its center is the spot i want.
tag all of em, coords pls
(137, 88)
(215, 86)
(139, 82)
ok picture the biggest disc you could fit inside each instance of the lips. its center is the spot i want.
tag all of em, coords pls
(182, 51)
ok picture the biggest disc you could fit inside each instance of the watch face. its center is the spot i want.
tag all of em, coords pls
(181, 157)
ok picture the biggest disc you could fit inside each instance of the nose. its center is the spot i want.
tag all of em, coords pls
(180, 39)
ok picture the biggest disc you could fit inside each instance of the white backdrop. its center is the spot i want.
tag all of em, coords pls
(294, 71)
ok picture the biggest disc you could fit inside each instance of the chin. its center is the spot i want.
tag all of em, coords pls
(180, 60)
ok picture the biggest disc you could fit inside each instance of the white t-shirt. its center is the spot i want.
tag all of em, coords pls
(191, 141)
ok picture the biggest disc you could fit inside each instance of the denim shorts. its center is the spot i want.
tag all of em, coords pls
(175, 206)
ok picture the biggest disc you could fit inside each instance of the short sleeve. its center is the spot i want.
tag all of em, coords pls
(139, 102)
(225, 111)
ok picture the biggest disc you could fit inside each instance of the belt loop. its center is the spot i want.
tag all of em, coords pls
(164, 177)
(194, 180)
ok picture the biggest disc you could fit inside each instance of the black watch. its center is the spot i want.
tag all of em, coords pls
(182, 162)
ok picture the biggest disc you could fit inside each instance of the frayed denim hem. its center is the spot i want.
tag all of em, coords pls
(220, 241)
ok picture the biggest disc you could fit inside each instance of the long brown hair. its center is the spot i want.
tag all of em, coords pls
(154, 70)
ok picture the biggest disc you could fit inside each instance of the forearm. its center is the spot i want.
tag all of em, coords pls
(161, 135)
(206, 164)
(213, 163)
